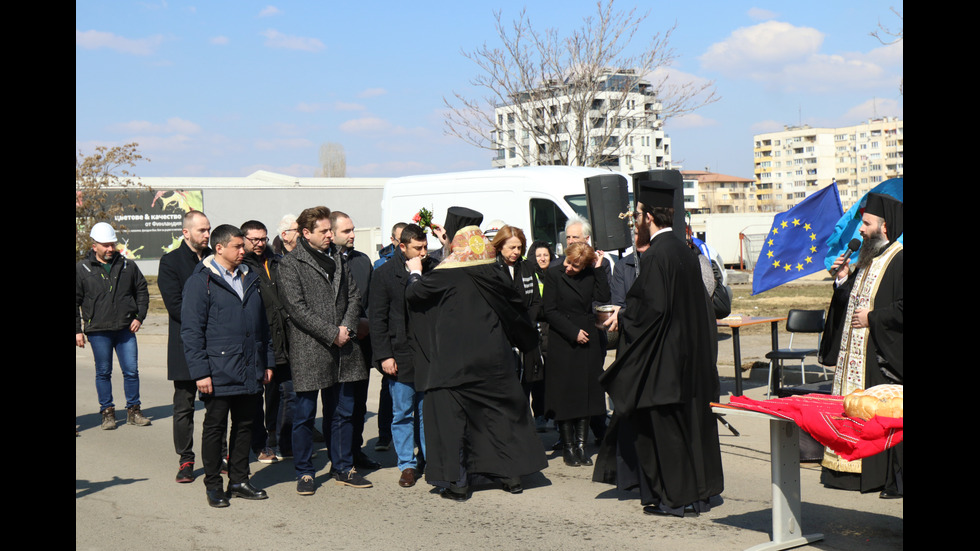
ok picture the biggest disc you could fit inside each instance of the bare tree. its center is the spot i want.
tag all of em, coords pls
(571, 100)
(333, 161)
(887, 36)
(95, 176)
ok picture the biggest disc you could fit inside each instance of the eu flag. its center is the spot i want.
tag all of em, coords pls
(796, 243)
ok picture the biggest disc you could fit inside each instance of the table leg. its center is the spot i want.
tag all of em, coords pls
(784, 441)
(737, 350)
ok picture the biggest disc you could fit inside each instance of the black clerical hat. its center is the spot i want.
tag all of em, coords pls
(889, 208)
(460, 217)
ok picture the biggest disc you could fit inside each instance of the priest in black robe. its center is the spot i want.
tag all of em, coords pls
(663, 438)
(466, 317)
(864, 338)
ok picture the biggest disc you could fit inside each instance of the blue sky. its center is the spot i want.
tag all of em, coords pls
(225, 88)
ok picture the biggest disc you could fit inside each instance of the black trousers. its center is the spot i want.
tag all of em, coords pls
(184, 394)
(241, 408)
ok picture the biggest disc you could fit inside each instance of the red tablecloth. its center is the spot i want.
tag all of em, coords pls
(823, 417)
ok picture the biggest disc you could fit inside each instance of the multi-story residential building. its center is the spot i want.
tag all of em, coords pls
(710, 192)
(614, 122)
(796, 162)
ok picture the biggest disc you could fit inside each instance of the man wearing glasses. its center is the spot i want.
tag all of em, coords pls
(266, 432)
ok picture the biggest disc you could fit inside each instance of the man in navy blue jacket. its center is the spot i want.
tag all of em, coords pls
(230, 357)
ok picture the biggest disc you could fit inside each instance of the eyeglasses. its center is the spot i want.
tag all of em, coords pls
(257, 240)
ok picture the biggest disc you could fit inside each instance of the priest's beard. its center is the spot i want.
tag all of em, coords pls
(642, 233)
(872, 246)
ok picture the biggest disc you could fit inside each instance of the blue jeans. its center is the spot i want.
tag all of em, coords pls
(406, 423)
(304, 414)
(123, 342)
(339, 403)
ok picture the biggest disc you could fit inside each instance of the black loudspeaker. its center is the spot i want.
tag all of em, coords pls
(607, 198)
(674, 180)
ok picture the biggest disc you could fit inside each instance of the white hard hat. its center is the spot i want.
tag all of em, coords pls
(103, 233)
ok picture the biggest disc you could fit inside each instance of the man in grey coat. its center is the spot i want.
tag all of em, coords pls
(323, 304)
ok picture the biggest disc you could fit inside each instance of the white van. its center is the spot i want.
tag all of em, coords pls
(537, 199)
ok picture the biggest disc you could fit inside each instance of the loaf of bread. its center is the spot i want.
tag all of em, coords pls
(884, 400)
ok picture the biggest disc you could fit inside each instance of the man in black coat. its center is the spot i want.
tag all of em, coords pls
(392, 350)
(663, 438)
(175, 267)
(265, 429)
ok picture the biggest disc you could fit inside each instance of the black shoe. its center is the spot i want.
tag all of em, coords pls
(362, 461)
(655, 510)
(382, 445)
(245, 490)
(511, 485)
(353, 479)
(185, 474)
(889, 494)
(305, 486)
(217, 498)
(454, 495)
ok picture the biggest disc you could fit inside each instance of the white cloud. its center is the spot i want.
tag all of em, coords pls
(276, 39)
(765, 45)
(761, 14)
(173, 125)
(766, 126)
(96, 40)
(786, 57)
(690, 120)
(372, 93)
(269, 11)
(872, 108)
(220, 40)
(366, 125)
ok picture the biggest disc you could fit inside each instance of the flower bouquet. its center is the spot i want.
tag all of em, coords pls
(423, 218)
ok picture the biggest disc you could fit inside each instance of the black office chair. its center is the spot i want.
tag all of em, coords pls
(798, 321)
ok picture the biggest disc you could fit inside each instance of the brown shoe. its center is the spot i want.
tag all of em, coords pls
(109, 418)
(135, 417)
(408, 478)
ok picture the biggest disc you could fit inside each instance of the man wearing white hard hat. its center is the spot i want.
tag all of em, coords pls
(111, 297)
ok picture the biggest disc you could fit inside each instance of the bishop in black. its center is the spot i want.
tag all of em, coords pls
(466, 317)
(663, 437)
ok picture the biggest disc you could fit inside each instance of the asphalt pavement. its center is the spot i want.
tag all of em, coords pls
(126, 497)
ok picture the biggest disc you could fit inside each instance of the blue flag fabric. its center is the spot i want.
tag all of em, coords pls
(848, 226)
(797, 240)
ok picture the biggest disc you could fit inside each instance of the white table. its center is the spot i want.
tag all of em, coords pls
(784, 449)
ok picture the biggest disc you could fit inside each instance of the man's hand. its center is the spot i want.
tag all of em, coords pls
(80, 340)
(440, 233)
(414, 265)
(268, 377)
(840, 266)
(583, 337)
(204, 385)
(389, 366)
(342, 336)
(598, 258)
(860, 318)
(135, 326)
(612, 324)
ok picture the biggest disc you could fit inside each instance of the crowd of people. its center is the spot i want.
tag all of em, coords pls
(479, 343)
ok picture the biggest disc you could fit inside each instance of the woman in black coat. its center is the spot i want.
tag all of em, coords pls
(509, 243)
(575, 352)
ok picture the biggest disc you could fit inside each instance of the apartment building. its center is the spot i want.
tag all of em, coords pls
(614, 123)
(794, 163)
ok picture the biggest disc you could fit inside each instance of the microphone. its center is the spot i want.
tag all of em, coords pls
(853, 246)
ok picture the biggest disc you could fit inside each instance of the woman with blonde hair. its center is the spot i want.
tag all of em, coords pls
(572, 391)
